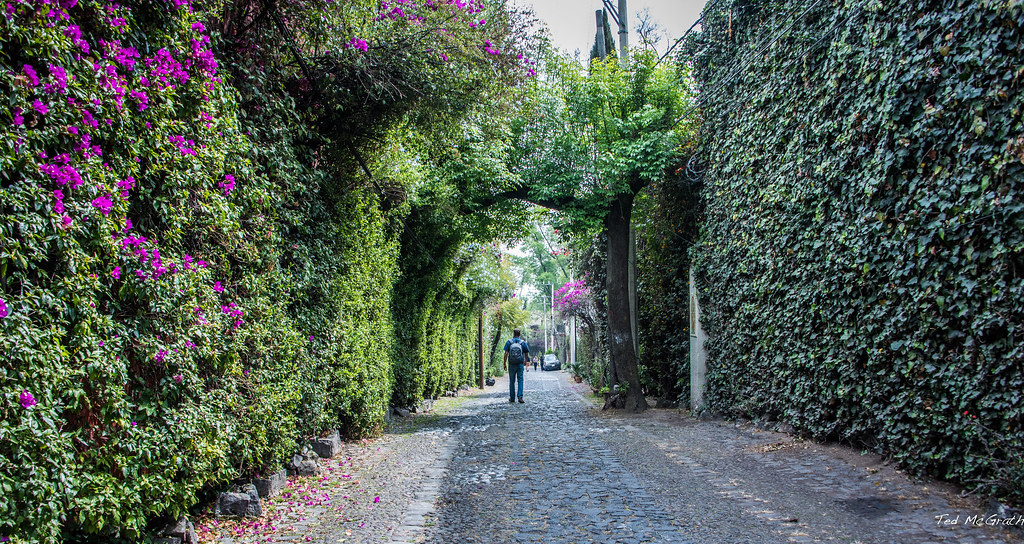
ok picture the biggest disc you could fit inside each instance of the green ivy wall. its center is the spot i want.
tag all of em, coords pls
(861, 261)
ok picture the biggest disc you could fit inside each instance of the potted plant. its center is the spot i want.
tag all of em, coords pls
(576, 370)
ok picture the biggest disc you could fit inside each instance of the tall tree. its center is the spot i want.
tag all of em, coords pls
(586, 142)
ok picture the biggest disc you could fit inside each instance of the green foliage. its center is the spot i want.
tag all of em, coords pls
(503, 317)
(592, 341)
(582, 139)
(248, 305)
(861, 259)
(665, 219)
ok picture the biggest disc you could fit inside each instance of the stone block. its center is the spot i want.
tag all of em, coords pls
(304, 464)
(329, 446)
(245, 503)
(401, 412)
(272, 485)
(183, 530)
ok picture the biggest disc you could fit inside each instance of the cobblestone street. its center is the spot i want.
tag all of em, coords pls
(558, 470)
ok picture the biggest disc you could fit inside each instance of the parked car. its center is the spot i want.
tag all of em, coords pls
(551, 362)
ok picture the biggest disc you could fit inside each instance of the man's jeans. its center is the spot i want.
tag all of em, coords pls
(515, 375)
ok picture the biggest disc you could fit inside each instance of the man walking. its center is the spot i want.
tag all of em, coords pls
(517, 352)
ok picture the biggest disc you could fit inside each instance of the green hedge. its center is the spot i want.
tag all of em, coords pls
(862, 251)
(244, 309)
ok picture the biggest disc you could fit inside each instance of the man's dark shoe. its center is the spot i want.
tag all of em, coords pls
(512, 400)
(521, 401)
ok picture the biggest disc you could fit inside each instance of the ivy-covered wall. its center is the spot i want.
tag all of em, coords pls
(861, 261)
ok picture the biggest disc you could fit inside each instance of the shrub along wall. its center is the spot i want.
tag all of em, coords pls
(190, 284)
(861, 262)
(665, 222)
(435, 316)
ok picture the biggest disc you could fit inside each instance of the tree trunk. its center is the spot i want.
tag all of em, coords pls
(497, 337)
(620, 329)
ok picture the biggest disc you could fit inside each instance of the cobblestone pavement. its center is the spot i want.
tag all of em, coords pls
(558, 470)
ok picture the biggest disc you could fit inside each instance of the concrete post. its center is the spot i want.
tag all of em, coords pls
(623, 33)
(698, 352)
(480, 351)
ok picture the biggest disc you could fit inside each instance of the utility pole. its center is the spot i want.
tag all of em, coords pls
(480, 351)
(572, 336)
(551, 308)
(620, 16)
(623, 33)
(602, 48)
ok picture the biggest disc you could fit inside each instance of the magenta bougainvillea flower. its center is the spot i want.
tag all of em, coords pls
(359, 43)
(103, 203)
(116, 273)
(27, 400)
(30, 73)
(228, 184)
(3, 308)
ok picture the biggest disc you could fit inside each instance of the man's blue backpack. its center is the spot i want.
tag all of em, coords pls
(515, 352)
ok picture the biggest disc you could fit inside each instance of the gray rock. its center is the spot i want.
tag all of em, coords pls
(489, 381)
(167, 540)
(182, 531)
(426, 405)
(1001, 511)
(328, 446)
(271, 485)
(241, 504)
(464, 387)
(401, 412)
(304, 464)
(785, 428)
(705, 416)
(176, 529)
